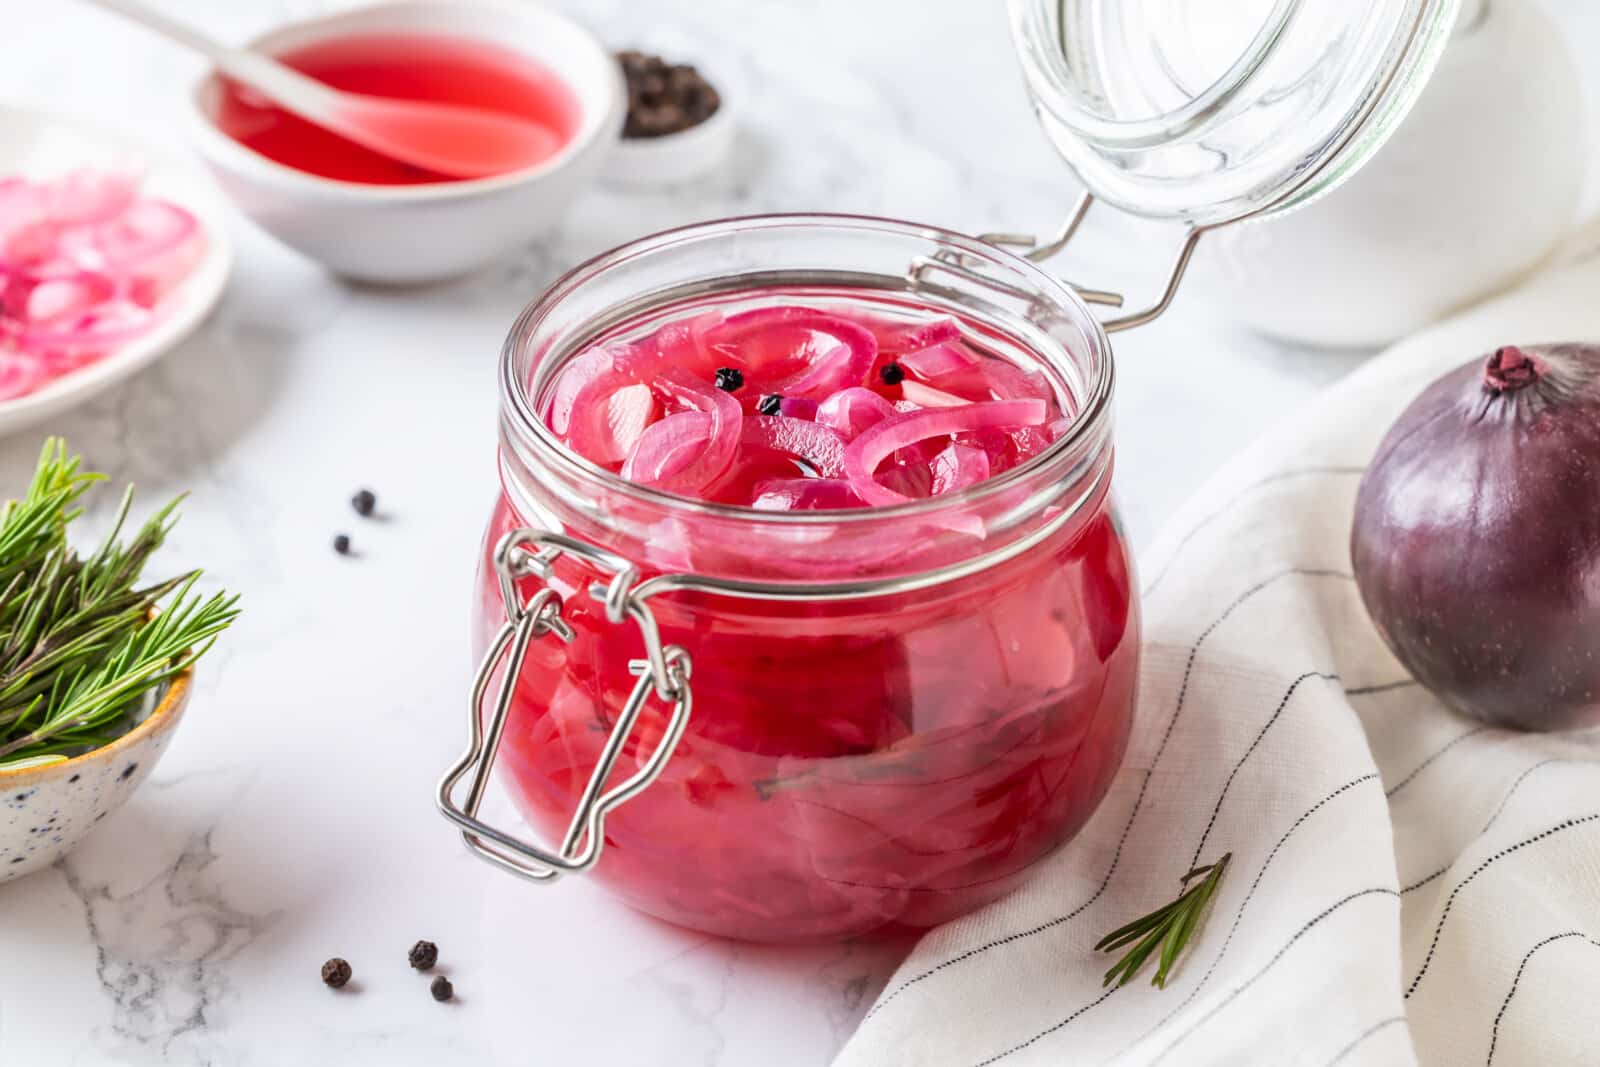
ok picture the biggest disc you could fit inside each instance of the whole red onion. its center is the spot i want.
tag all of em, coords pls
(1477, 537)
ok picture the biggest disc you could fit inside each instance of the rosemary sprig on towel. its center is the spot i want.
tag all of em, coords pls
(1169, 928)
(81, 641)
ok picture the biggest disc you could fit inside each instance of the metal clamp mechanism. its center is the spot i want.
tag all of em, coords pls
(959, 264)
(527, 553)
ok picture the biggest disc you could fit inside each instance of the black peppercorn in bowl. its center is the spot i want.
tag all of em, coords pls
(680, 124)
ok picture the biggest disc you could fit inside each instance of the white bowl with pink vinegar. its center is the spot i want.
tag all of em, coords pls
(401, 234)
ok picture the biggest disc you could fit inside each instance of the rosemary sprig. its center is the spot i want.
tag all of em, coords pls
(81, 642)
(34, 525)
(1168, 928)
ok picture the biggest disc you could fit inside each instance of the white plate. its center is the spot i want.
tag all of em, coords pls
(37, 145)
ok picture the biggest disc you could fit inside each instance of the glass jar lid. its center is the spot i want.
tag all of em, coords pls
(1211, 112)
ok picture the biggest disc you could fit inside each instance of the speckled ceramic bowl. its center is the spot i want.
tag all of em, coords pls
(45, 811)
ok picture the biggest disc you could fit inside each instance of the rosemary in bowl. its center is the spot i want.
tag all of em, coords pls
(83, 641)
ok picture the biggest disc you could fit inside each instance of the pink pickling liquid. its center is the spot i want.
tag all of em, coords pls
(439, 69)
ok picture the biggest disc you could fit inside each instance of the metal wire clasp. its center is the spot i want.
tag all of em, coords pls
(524, 553)
(1032, 249)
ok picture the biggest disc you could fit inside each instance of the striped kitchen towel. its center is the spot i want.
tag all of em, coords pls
(1407, 885)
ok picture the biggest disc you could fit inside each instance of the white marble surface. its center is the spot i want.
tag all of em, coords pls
(292, 819)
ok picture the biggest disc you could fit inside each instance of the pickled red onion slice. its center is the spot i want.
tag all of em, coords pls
(753, 466)
(20, 374)
(88, 196)
(1031, 440)
(820, 447)
(797, 407)
(935, 360)
(918, 395)
(906, 339)
(92, 330)
(668, 447)
(145, 229)
(852, 410)
(623, 417)
(1009, 382)
(845, 365)
(685, 344)
(583, 395)
(153, 244)
(719, 438)
(38, 301)
(796, 351)
(584, 368)
(957, 467)
(865, 453)
(911, 477)
(805, 494)
(19, 204)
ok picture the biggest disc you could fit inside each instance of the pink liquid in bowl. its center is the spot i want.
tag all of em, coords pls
(438, 69)
(850, 766)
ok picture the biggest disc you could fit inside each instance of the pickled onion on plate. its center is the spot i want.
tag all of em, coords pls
(86, 266)
(19, 374)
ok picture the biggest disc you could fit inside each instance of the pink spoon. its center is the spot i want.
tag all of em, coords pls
(460, 142)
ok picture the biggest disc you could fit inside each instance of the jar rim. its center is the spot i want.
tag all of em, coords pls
(528, 428)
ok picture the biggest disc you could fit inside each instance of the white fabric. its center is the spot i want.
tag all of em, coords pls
(1407, 886)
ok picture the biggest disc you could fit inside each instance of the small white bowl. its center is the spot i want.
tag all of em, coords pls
(416, 233)
(674, 158)
(37, 145)
(46, 810)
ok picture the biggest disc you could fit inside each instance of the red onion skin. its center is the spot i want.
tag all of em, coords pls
(1476, 544)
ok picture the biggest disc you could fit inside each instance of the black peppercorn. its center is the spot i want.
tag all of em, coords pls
(729, 378)
(892, 374)
(341, 544)
(335, 973)
(663, 97)
(423, 955)
(441, 988)
(365, 502)
(769, 404)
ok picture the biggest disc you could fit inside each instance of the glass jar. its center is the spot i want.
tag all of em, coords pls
(897, 711)
(800, 726)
